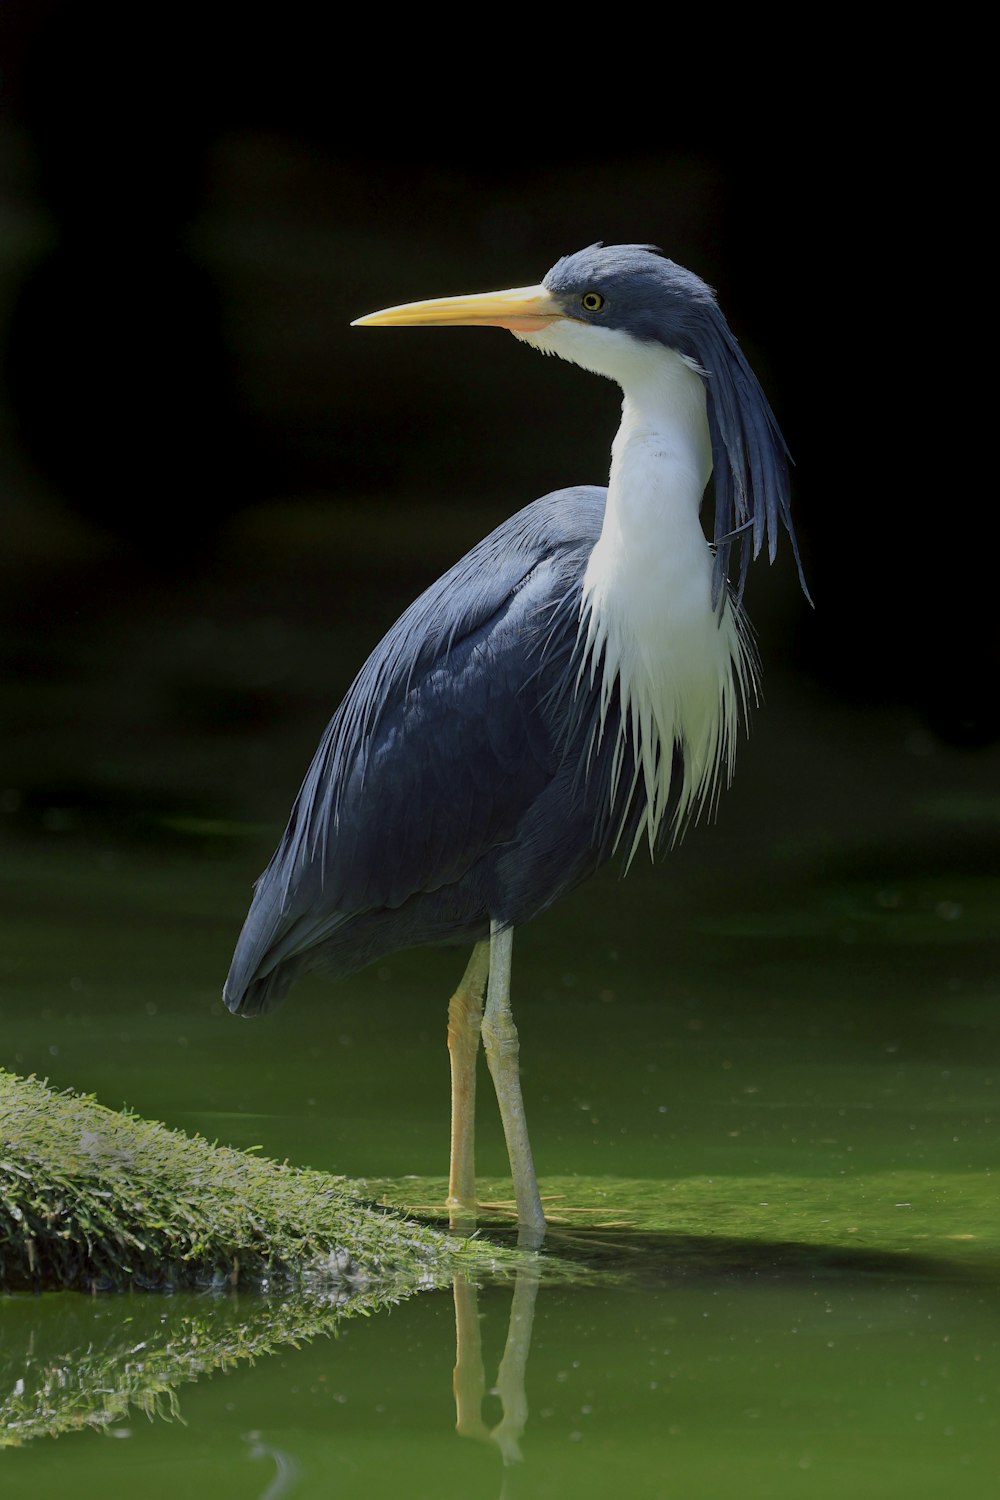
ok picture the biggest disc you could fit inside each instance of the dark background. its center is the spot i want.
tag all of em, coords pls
(216, 494)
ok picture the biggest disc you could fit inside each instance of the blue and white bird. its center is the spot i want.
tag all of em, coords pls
(571, 689)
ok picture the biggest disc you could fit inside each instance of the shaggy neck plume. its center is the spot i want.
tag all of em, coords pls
(649, 582)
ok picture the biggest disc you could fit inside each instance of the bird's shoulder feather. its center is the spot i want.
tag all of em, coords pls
(446, 703)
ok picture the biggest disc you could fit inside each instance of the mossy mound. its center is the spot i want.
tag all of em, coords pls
(100, 1201)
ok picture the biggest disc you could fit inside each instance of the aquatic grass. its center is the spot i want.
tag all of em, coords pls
(97, 1200)
(949, 1216)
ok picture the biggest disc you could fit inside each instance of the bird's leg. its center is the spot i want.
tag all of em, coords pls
(465, 1015)
(500, 1042)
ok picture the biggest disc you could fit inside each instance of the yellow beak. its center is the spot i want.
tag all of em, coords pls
(523, 309)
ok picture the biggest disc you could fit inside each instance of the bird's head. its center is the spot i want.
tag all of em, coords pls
(609, 308)
(627, 297)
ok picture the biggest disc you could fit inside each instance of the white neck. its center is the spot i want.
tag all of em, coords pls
(661, 461)
(681, 668)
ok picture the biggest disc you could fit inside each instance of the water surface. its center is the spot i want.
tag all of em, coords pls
(791, 1127)
(769, 1068)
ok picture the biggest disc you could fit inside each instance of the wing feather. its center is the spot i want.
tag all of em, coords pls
(444, 741)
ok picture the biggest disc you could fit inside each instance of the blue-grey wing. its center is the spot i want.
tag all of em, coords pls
(442, 745)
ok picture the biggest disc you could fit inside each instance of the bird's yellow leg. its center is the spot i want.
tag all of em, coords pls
(500, 1042)
(465, 1015)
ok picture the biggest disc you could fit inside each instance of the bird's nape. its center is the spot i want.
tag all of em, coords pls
(572, 686)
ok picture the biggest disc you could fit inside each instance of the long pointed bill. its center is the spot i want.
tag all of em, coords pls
(523, 309)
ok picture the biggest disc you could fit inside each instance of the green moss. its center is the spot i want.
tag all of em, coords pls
(907, 1214)
(96, 1200)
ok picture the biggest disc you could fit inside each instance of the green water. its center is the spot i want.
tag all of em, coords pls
(762, 1083)
(777, 1091)
(766, 1382)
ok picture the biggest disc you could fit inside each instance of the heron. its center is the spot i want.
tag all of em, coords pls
(572, 689)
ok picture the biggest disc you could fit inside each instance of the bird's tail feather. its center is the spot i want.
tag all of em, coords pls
(262, 993)
(274, 948)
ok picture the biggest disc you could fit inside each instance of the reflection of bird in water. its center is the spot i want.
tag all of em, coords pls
(570, 689)
(470, 1375)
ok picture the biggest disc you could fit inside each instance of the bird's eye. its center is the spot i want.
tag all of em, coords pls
(592, 301)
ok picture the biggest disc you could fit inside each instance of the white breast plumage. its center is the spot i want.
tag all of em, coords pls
(683, 672)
